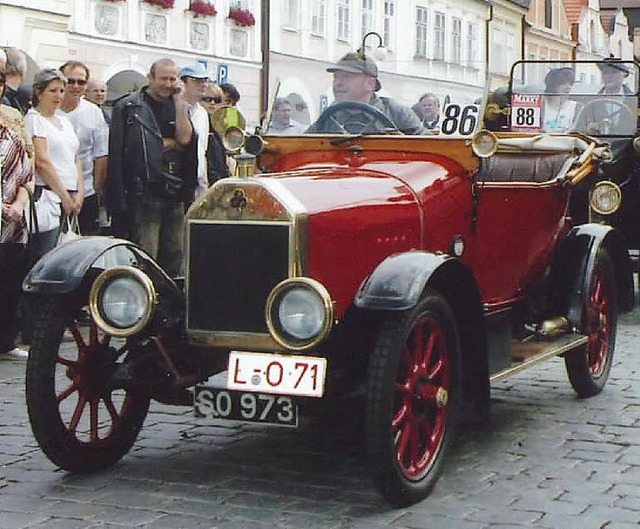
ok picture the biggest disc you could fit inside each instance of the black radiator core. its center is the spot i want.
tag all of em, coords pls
(232, 268)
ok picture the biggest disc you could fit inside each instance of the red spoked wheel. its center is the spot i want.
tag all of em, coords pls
(588, 367)
(81, 417)
(412, 399)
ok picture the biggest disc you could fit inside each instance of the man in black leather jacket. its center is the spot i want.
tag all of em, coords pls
(152, 167)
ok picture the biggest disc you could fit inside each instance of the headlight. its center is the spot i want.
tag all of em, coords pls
(606, 198)
(299, 313)
(484, 144)
(122, 300)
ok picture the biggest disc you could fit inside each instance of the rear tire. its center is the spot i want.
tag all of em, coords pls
(588, 367)
(413, 399)
(79, 419)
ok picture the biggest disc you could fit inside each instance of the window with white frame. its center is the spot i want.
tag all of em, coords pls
(317, 17)
(291, 14)
(497, 58)
(344, 24)
(438, 36)
(388, 32)
(367, 17)
(456, 40)
(422, 26)
(242, 4)
(510, 51)
(472, 43)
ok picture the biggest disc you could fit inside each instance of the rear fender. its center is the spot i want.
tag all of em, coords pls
(397, 284)
(63, 269)
(576, 265)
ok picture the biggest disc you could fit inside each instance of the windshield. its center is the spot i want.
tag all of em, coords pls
(359, 95)
(595, 98)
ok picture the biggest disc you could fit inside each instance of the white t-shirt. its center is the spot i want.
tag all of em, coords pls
(93, 133)
(62, 145)
(200, 121)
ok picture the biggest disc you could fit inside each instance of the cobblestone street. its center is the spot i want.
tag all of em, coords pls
(546, 460)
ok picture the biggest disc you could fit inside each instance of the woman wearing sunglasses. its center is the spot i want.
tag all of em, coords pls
(217, 166)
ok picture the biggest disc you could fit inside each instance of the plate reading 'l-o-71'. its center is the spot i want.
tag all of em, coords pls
(302, 376)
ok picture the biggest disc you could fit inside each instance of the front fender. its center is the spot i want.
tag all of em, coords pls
(583, 243)
(398, 282)
(62, 270)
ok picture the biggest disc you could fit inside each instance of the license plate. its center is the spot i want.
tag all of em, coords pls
(280, 374)
(216, 403)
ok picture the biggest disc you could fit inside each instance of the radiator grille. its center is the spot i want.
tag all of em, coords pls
(232, 267)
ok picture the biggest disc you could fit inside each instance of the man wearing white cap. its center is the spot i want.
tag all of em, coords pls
(195, 79)
(355, 78)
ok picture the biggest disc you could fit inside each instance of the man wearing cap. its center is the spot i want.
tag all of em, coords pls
(195, 79)
(355, 78)
(614, 112)
(152, 166)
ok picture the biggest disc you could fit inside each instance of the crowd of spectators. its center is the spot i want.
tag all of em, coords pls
(65, 158)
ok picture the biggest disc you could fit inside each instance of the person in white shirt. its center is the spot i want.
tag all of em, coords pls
(195, 79)
(93, 133)
(558, 111)
(281, 122)
(59, 176)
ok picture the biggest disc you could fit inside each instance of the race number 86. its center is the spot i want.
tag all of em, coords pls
(459, 120)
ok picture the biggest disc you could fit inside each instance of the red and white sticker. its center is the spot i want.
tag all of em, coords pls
(526, 112)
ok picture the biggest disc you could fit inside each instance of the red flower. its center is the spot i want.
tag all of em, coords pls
(166, 4)
(202, 7)
(242, 17)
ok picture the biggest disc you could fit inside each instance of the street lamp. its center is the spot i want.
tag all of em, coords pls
(379, 53)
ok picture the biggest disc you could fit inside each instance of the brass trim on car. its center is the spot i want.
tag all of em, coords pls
(214, 207)
(327, 305)
(612, 188)
(95, 292)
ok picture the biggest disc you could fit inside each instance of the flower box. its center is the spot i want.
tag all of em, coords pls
(202, 7)
(242, 17)
(165, 4)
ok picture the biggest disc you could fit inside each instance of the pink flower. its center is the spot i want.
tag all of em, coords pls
(166, 4)
(242, 17)
(203, 7)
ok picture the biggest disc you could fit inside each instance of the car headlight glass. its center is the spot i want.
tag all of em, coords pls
(124, 302)
(299, 313)
(606, 198)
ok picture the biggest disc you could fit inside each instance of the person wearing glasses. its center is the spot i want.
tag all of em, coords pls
(217, 166)
(93, 133)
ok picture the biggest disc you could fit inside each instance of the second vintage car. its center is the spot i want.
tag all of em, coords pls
(416, 269)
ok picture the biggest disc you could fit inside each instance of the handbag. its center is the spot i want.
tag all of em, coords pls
(69, 230)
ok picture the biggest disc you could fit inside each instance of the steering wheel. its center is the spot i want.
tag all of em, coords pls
(353, 117)
(606, 125)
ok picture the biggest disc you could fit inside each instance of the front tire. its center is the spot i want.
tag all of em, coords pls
(413, 399)
(588, 367)
(81, 420)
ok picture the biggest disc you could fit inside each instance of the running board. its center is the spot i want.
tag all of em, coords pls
(532, 352)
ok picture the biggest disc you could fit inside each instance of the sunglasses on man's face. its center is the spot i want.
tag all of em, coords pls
(79, 82)
(212, 99)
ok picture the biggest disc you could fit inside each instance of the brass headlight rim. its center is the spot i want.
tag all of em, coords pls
(233, 129)
(327, 305)
(475, 141)
(618, 192)
(97, 288)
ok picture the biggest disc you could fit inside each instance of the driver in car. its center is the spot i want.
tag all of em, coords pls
(355, 78)
(615, 109)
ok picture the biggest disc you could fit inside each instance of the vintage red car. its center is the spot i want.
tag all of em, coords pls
(418, 269)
